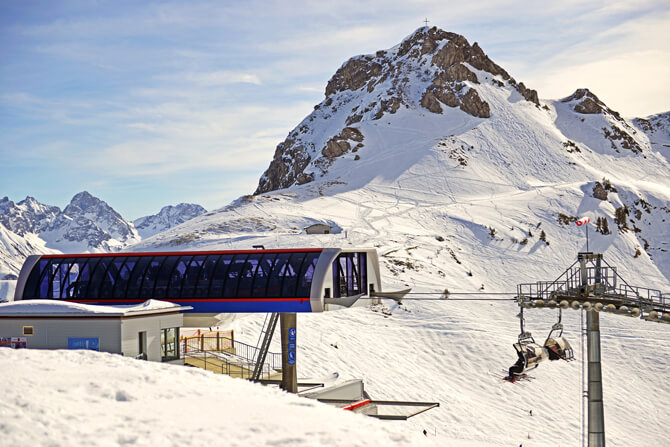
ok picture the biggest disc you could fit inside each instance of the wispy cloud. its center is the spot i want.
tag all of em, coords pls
(212, 78)
(622, 64)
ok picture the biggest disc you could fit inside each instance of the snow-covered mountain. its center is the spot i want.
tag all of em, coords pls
(27, 216)
(87, 224)
(431, 144)
(168, 217)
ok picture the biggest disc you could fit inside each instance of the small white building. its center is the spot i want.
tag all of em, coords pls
(319, 228)
(148, 331)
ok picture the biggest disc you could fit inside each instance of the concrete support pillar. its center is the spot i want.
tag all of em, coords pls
(596, 412)
(289, 381)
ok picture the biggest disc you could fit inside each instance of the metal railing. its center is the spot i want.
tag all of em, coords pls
(602, 281)
(228, 364)
(231, 353)
(213, 341)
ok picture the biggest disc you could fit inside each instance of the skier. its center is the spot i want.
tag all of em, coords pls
(516, 369)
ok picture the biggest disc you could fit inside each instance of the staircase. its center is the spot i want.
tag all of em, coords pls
(262, 350)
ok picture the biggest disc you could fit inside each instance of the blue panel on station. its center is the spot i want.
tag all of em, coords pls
(242, 306)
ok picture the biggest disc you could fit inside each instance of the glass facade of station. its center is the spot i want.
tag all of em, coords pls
(349, 274)
(174, 277)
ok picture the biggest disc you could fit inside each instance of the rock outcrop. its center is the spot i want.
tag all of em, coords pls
(585, 102)
(619, 133)
(340, 144)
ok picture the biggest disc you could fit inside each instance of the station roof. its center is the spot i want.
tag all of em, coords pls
(57, 308)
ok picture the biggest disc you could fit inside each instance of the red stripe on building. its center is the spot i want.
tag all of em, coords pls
(182, 253)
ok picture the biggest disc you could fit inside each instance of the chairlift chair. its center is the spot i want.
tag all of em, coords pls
(529, 354)
(556, 345)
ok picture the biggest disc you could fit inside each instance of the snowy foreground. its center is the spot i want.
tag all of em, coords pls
(68, 398)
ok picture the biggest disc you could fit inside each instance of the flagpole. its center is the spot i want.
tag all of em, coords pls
(584, 221)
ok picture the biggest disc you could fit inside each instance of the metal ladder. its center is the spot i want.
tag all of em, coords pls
(262, 351)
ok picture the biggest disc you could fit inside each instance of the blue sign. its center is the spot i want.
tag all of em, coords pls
(83, 343)
(291, 334)
(291, 357)
(291, 346)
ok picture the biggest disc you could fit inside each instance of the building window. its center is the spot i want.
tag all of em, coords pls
(28, 330)
(142, 345)
(349, 274)
(169, 344)
(83, 343)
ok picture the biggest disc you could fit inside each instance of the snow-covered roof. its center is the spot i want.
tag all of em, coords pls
(65, 308)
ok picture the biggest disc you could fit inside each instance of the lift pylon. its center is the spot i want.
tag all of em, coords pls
(592, 285)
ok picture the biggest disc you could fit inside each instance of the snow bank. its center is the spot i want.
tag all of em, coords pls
(64, 307)
(67, 398)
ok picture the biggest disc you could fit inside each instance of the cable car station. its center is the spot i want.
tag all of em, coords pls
(202, 285)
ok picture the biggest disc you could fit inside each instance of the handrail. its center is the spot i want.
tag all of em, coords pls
(225, 365)
(610, 285)
(246, 351)
(228, 352)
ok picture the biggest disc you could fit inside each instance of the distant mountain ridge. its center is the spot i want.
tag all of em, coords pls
(168, 217)
(87, 224)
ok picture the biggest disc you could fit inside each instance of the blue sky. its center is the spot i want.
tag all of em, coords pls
(146, 104)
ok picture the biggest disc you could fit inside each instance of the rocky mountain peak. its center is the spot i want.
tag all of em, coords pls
(655, 123)
(26, 216)
(446, 58)
(431, 70)
(95, 220)
(82, 202)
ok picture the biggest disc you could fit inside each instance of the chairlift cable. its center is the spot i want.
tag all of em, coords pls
(442, 298)
(459, 293)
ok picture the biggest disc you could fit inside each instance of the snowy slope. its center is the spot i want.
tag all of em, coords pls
(14, 249)
(70, 398)
(451, 352)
